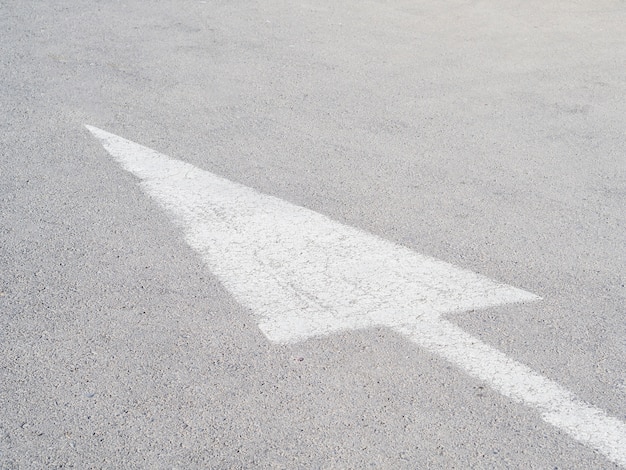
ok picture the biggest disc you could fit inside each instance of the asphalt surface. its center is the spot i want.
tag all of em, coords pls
(490, 134)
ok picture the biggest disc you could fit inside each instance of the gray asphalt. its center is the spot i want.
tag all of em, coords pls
(489, 134)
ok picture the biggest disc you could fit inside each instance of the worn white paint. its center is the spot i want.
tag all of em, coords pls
(303, 275)
(557, 406)
(300, 272)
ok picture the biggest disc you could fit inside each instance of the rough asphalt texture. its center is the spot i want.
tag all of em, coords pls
(490, 134)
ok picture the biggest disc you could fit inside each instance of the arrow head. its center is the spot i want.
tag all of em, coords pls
(300, 272)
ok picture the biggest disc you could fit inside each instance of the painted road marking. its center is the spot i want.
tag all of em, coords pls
(303, 275)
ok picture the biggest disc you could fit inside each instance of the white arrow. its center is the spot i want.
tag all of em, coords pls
(305, 275)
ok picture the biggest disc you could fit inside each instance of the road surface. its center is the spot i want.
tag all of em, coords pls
(487, 135)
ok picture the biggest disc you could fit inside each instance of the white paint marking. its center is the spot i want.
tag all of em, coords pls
(303, 275)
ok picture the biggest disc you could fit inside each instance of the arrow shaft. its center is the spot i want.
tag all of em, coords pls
(557, 406)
